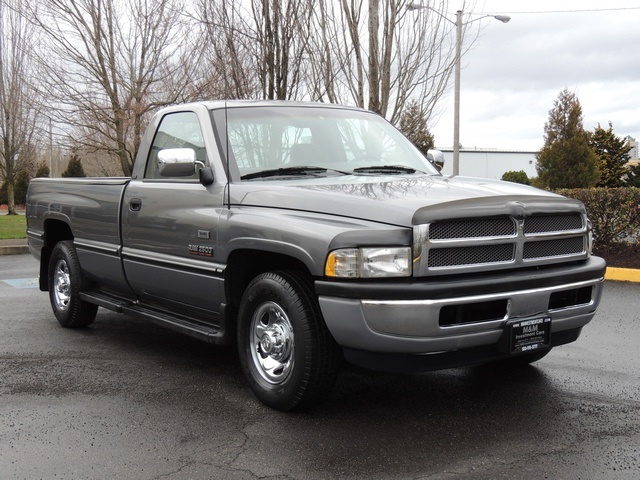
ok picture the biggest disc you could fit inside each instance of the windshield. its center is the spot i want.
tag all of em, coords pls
(276, 141)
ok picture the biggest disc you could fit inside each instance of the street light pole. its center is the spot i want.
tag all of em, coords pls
(457, 61)
(50, 150)
(456, 95)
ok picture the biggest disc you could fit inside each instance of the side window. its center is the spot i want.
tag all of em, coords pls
(176, 130)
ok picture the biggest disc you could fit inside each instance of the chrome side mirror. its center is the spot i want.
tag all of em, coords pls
(436, 158)
(177, 162)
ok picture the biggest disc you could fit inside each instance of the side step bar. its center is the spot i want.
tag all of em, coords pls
(179, 323)
(105, 300)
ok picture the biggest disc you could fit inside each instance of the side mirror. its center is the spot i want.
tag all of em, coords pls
(436, 157)
(177, 162)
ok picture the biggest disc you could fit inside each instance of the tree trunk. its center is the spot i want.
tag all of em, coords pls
(374, 52)
(11, 199)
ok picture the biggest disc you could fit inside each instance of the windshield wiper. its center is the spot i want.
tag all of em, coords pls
(393, 169)
(275, 172)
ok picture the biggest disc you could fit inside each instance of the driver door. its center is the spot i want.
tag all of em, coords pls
(169, 228)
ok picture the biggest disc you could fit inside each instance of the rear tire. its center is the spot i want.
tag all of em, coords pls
(286, 351)
(66, 281)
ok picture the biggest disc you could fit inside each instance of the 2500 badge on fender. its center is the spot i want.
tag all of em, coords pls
(202, 250)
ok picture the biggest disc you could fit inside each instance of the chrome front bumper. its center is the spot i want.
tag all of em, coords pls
(412, 326)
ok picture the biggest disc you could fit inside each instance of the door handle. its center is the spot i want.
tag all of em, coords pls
(135, 204)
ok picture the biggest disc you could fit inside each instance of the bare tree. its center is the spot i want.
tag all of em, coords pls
(228, 43)
(259, 46)
(376, 54)
(19, 111)
(109, 63)
(282, 30)
(379, 55)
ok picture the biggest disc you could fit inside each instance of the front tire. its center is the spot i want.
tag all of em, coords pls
(286, 351)
(66, 281)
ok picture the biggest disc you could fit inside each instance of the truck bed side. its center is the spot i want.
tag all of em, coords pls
(86, 211)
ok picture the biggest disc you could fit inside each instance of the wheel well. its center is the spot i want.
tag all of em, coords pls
(244, 265)
(54, 231)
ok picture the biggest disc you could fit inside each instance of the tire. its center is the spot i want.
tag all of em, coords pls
(286, 351)
(66, 281)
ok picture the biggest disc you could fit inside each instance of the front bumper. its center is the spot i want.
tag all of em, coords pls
(405, 317)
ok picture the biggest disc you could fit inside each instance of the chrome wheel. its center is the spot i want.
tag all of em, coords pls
(66, 280)
(62, 285)
(271, 343)
(285, 349)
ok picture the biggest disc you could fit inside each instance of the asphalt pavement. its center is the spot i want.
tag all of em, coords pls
(124, 399)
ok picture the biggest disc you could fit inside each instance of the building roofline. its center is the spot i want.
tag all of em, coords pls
(487, 150)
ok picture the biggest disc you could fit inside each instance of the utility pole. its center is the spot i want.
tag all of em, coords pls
(50, 150)
(456, 102)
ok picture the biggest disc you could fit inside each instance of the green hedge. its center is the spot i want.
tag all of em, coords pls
(614, 213)
(516, 177)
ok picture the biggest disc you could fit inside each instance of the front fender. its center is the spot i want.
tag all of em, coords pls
(305, 236)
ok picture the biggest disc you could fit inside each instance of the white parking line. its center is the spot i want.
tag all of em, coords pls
(23, 282)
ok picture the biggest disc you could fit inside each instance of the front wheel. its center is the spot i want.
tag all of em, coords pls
(286, 351)
(66, 281)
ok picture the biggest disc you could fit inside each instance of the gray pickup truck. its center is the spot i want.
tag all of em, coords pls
(312, 233)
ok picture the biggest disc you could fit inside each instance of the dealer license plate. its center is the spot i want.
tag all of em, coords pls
(529, 335)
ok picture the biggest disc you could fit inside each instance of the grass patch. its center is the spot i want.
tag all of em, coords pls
(13, 226)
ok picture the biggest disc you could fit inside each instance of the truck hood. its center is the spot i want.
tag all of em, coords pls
(402, 201)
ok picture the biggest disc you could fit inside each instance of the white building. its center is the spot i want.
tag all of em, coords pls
(493, 163)
(634, 148)
(490, 163)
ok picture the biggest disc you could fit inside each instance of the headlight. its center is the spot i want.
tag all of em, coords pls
(369, 262)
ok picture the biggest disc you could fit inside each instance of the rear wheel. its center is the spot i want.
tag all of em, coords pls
(286, 351)
(66, 281)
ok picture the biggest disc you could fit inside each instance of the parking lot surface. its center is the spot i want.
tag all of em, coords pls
(124, 399)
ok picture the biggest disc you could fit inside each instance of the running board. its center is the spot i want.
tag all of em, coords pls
(178, 323)
(105, 300)
(185, 325)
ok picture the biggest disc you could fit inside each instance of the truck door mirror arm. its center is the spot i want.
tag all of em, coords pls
(205, 174)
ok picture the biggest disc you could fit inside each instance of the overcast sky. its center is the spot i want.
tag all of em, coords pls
(515, 71)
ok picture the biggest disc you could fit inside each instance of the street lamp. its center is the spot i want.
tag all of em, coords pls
(456, 105)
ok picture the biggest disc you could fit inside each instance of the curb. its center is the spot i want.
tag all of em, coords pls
(13, 249)
(622, 274)
(17, 246)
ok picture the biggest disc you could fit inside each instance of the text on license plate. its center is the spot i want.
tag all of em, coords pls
(528, 335)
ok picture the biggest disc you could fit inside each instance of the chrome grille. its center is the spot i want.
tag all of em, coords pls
(473, 228)
(552, 223)
(499, 242)
(482, 254)
(553, 248)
